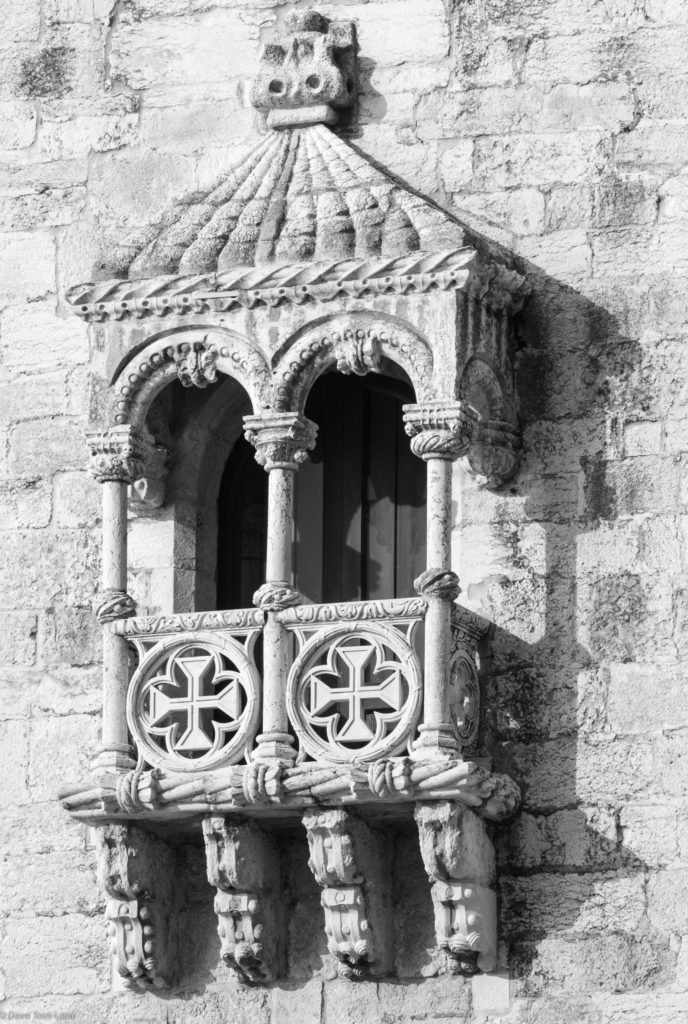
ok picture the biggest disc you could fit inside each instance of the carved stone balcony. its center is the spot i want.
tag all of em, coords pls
(354, 695)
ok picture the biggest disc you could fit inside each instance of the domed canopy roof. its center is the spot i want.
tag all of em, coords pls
(303, 195)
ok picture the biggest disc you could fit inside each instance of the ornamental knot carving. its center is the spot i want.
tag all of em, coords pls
(117, 455)
(114, 604)
(282, 440)
(438, 583)
(275, 596)
(441, 431)
(357, 351)
(306, 71)
(195, 362)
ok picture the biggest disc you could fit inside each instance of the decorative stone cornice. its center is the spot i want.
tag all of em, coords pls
(442, 430)
(295, 283)
(307, 71)
(282, 440)
(117, 454)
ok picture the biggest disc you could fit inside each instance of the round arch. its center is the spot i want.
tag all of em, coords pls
(355, 343)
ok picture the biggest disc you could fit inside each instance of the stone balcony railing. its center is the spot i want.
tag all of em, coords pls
(353, 689)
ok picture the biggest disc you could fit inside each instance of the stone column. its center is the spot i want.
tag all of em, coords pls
(282, 441)
(117, 459)
(440, 434)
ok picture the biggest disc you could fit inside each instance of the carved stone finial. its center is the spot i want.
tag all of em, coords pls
(117, 454)
(307, 71)
(443, 430)
(282, 440)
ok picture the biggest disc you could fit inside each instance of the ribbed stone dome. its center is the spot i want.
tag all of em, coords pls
(302, 195)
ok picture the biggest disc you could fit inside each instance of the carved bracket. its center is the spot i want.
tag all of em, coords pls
(459, 858)
(243, 864)
(348, 861)
(282, 439)
(136, 870)
(117, 454)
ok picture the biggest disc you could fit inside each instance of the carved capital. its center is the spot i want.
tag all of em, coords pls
(243, 865)
(459, 860)
(440, 431)
(282, 440)
(117, 454)
(306, 71)
(195, 362)
(136, 871)
(348, 861)
(114, 604)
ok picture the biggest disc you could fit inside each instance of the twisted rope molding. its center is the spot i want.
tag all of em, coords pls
(297, 283)
(254, 787)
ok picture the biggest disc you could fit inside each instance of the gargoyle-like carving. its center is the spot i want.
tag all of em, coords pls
(441, 430)
(282, 440)
(459, 860)
(136, 871)
(148, 492)
(493, 456)
(348, 861)
(243, 865)
(196, 364)
(117, 454)
(306, 71)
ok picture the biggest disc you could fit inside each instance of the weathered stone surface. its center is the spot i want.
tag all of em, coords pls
(18, 639)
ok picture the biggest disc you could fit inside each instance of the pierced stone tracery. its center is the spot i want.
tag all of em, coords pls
(342, 714)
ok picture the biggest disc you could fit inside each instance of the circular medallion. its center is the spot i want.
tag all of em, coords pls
(193, 704)
(354, 692)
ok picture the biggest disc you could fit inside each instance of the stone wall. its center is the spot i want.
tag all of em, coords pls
(560, 129)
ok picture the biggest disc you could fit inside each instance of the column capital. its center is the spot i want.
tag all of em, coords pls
(117, 454)
(282, 439)
(440, 430)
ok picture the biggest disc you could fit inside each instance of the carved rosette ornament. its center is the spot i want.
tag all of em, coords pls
(282, 440)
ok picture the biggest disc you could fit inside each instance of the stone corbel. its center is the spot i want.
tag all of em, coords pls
(494, 454)
(117, 454)
(459, 859)
(243, 865)
(136, 870)
(348, 861)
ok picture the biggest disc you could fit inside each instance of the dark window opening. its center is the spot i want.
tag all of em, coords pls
(359, 523)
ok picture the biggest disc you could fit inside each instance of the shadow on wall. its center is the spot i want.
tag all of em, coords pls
(572, 893)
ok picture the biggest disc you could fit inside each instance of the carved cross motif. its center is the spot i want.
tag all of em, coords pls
(200, 673)
(358, 693)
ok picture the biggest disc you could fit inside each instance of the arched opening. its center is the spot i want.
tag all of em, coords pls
(359, 525)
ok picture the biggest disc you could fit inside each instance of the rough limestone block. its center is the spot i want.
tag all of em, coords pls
(77, 500)
(14, 757)
(25, 329)
(49, 886)
(539, 159)
(70, 957)
(573, 904)
(61, 750)
(39, 448)
(646, 698)
(17, 124)
(650, 833)
(18, 638)
(27, 265)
